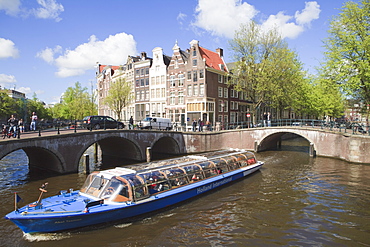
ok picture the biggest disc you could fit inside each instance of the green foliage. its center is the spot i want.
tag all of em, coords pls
(119, 96)
(265, 69)
(348, 50)
(6, 105)
(76, 104)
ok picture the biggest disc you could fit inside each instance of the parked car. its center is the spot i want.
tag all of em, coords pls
(101, 122)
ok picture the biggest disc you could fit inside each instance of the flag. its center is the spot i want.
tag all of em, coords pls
(17, 198)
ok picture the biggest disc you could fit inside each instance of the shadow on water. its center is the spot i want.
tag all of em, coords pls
(292, 143)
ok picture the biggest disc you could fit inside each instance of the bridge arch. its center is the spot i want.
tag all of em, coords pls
(116, 150)
(273, 141)
(165, 146)
(44, 159)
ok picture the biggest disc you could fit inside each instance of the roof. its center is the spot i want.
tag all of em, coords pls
(103, 67)
(213, 59)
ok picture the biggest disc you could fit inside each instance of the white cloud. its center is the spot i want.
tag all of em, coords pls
(311, 12)
(10, 7)
(25, 90)
(181, 17)
(7, 78)
(8, 49)
(281, 22)
(48, 53)
(49, 9)
(223, 17)
(114, 50)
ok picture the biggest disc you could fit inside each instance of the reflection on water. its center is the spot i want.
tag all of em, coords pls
(294, 200)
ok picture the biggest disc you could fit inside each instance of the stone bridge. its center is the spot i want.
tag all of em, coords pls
(62, 153)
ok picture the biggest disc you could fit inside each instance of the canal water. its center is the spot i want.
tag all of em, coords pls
(294, 200)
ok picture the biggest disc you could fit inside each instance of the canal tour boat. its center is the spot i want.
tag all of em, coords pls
(125, 192)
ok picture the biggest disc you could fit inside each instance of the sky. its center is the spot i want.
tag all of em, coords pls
(47, 46)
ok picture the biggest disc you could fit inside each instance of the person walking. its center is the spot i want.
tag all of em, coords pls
(195, 125)
(200, 125)
(21, 125)
(264, 119)
(268, 119)
(131, 123)
(33, 121)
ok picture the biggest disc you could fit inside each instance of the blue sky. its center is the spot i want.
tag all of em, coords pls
(48, 45)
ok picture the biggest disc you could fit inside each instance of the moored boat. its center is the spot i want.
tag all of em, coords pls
(126, 192)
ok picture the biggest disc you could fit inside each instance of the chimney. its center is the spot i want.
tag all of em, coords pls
(220, 52)
(143, 55)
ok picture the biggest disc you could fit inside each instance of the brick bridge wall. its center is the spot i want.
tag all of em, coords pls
(62, 153)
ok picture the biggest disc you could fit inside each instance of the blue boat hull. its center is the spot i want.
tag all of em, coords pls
(55, 222)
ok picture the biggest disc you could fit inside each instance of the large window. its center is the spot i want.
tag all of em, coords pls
(172, 81)
(181, 98)
(195, 75)
(220, 78)
(195, 62)
(201, 89)
(181, 80)
(226, 95)
(189, 75)
(163, 92)
(195, 88)
(220, 92)
(172, 98)
(190, 91)
(201, 73)
(220, 105)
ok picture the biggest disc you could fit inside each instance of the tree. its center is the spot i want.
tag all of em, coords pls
(119, 96)
(6, 105)
(347, 56)
(76, 103)
(265, 69)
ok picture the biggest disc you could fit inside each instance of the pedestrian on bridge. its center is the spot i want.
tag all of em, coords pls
(33, 121)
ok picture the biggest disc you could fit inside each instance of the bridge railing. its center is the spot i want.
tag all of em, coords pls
(354, 128)
(346, 127)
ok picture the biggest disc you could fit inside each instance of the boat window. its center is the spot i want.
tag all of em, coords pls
(140, 192)
(221, 166)
(88, 181)
(137, 183)
(251, 161)
(196, 176)
(112, 188)
(209, 169)
(158, 186)
(178, 181)
(148, 177)
(190, 169)
(173, 172)
(96, 185)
